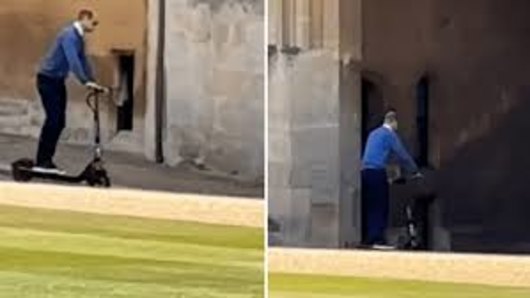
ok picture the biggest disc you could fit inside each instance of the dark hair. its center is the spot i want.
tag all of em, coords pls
(85, 13)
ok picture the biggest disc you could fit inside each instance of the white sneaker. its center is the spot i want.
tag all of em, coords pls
(48, 170)
(382, 247)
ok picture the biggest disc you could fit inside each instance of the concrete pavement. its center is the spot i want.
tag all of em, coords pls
(129, 170)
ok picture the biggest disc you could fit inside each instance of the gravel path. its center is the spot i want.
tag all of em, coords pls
(494, 270)
(157, 205)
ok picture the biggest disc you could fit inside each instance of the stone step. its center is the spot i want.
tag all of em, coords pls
(14, 121)
(11, 107)
(14, 115)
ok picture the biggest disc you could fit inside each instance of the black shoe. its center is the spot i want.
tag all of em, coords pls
(48, 168)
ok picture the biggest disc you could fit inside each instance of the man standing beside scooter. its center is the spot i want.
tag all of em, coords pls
(67, 54)
(382, 143)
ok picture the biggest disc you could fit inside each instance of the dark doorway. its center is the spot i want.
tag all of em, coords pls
(422, 120)
(126, 75)
(372, 108)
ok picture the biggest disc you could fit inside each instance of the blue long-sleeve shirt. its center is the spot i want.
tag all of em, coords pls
(381, 144)
(66, 55)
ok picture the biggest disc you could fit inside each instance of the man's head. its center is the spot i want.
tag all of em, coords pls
(87, 19)
(391, 119)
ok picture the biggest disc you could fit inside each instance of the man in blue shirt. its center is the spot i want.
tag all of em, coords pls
(382, 144)
(66, 55)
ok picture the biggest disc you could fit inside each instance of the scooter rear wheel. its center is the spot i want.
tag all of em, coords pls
(20, 170)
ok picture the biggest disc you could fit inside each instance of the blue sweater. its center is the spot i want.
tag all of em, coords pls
(382, 142)
(66, 55)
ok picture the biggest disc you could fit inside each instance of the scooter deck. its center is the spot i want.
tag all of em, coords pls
(22, 171)
(54, 176)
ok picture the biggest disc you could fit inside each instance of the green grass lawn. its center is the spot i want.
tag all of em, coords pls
(300, 286)
(64, 254)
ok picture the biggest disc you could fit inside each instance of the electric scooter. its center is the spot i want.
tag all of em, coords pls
(416, 234)
(94, 174)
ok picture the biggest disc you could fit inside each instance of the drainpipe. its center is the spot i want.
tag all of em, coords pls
(160, 84)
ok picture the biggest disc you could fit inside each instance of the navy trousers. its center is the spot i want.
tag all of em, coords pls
(375, 206)
(53, 96)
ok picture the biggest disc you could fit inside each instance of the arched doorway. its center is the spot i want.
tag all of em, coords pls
(422, 120)
(372, 107)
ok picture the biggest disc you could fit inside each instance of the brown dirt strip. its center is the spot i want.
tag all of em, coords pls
(496, 270)
(146, 204)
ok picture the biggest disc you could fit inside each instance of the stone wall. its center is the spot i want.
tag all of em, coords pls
(483, 65)
(304, 153)
(214, 72)
(475, 54)
(215, 84)
(313, 184)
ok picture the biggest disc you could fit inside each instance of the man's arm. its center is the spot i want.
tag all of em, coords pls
(406, 160)
(75, 62)
(87, 67)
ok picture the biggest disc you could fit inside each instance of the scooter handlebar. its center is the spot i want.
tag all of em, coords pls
(99, 89)
(404, 179)
(94, 93)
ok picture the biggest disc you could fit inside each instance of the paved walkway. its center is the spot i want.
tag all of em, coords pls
(131, 170)
(482, 269)
(216, 210)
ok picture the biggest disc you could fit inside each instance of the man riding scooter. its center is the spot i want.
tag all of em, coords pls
(67, 54)
(382, 143)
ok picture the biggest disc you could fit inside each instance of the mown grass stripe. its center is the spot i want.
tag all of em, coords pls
(132, 228)
(35, 285)
(98, 245)
(125, 269)
(46, 253)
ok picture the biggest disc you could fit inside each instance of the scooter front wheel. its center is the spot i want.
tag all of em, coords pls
(102, 180)
(96, 176)
(105, 181)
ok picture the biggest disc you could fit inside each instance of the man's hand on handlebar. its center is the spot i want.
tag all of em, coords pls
(417, 175)
(405, 179)
(96, 87)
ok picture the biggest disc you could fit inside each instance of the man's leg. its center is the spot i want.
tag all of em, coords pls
(365, 214)
(374, 207)
(382, 210)
(53, 96)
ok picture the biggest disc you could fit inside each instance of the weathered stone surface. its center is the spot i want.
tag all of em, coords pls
(475, 55)
(215, 95)
(305, 126)
(325, 227)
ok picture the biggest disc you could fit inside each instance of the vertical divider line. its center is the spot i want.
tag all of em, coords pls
(160, 104)
(266, 149)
